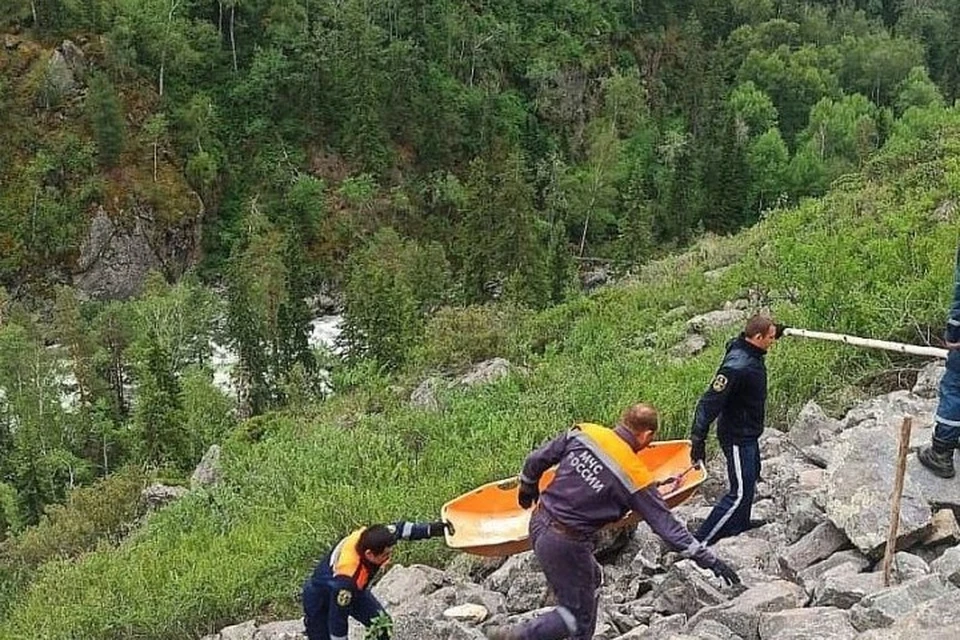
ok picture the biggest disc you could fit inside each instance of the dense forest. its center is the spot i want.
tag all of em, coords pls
(447, 167)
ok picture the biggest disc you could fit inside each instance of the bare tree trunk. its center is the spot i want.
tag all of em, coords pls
(220, 19)
(33, 10)
(163, 56)
(233, 41)
(156, 145)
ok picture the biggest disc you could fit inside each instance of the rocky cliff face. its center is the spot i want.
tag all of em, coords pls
(117, 255)
(812, 569)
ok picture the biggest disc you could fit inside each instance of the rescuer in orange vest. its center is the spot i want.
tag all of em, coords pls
(338, 587)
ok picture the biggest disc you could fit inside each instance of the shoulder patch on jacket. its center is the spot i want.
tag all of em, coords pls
(344, 597)
(719, 383)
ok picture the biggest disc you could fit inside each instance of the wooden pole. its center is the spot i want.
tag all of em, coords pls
(897, 494)
(886, 345)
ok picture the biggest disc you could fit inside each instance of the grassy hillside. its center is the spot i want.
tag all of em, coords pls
(874, 257)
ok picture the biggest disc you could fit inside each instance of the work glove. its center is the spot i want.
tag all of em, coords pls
(438, 528)
(725, 572)
(528, 494)
(780, 329)
(698, 450)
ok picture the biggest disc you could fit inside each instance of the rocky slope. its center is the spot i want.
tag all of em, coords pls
(812, 569)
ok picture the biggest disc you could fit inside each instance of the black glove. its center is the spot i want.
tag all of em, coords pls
(780, 329)
(725, 572)
(698, 451)
(528, 494)
(437, 529)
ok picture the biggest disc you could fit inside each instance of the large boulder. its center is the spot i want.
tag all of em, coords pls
(742, 614)
(885, 607)
(822, 623)
(713, 320)
(207, 473)
(858, 485)
(812, 426)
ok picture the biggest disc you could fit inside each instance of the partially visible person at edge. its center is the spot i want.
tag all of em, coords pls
(598, 480)
(938, 456)
(338, 589)
(736, 399)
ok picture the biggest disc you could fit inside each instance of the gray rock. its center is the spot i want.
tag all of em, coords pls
(521, 580)
(944, 528)
(59, 80)
(665, 626)
(907, 566)
(114, 262)
(803, 515)
(466, 567)
(714, 320)
(805, 430)
(822, 623)
(415, 627)
(485, 372)
(947, 566)
(928, 380)
(938, 492)
(850, 561)
(857, 495)
(242, 631)
(648, 551)
(691, 346)
(937, 619)
(822, 542)
(401, 588)
(746, 552)
(685, 590)
(425, 395)
(742, 614)
(884, 607)
(843, 590)
(888, 411)
(281, 630)
(207, 473)
(772, 443)
(593, 279)
(713, 630)
(157, 496)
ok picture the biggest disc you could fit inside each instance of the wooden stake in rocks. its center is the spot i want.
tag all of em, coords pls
(897, 495)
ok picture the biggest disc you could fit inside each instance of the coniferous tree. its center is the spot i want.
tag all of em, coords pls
(106, 118)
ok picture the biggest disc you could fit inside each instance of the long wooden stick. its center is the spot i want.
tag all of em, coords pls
(897, 495)
(886, 345)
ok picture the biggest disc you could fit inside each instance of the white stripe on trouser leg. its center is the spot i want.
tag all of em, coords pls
(738, 471)
(568, 619)
(949, 423)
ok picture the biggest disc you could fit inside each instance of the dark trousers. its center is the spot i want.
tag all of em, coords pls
(573, 574)
(317, 601)
(731, 515)
(948, 408)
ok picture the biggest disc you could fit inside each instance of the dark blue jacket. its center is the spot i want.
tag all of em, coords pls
(952, 334)
(591, 489)
(737, 396)
(341, 582)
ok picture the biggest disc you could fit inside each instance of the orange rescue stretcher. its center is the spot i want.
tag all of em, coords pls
(488, 521)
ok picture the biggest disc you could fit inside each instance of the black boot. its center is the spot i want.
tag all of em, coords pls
(938, 457)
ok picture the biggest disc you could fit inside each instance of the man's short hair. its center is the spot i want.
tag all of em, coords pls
(376, 538)
(758, 324)
(640, 418)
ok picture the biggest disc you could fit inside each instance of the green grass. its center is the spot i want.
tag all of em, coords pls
(867, 259)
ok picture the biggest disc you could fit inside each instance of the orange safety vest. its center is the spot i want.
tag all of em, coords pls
(616, 455)
(346, 561)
